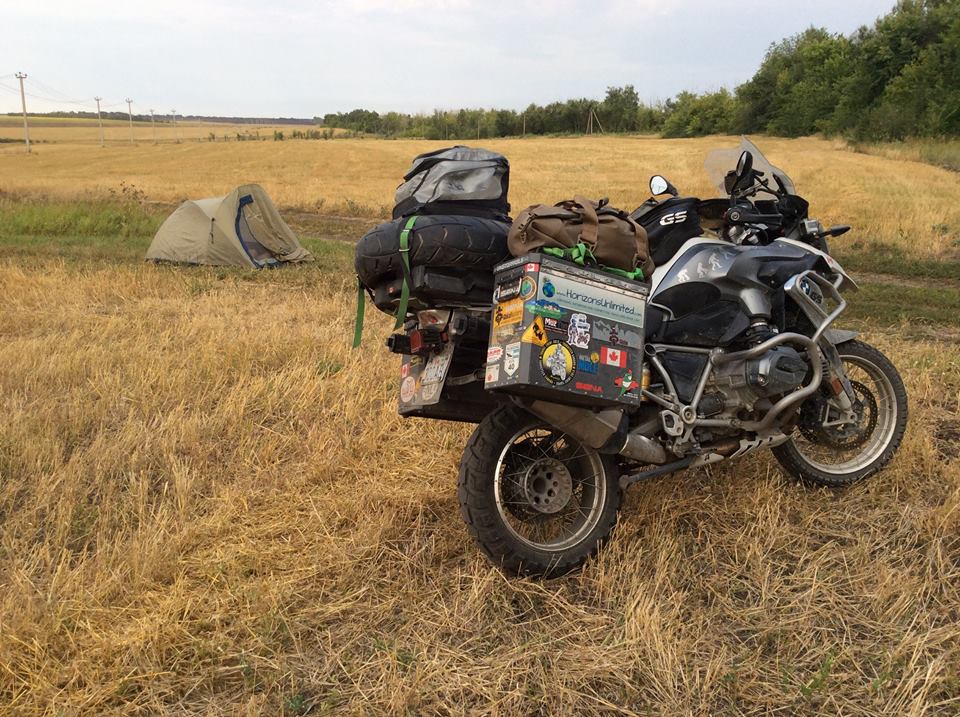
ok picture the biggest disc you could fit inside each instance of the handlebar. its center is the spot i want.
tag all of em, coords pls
(739, 216)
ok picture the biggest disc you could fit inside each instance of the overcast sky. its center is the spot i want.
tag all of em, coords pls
(304, 58)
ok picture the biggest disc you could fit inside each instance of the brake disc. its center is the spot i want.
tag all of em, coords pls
(845, 436)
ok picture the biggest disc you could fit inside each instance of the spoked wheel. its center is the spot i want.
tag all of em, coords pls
(844, 453)
(537, 501)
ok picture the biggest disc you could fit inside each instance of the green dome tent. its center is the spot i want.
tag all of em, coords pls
(243, 228)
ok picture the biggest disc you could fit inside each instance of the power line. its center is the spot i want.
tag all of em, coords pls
(57, 93)
(47, 93)
(56, 99)
(51, 94)
(40, 97)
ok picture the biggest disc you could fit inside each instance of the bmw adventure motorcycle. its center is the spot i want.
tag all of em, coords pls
(739, 354)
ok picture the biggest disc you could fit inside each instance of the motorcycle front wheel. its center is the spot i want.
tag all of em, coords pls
(537, 501)
(845, 454)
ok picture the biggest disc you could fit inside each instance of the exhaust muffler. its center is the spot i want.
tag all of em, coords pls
(604, 431)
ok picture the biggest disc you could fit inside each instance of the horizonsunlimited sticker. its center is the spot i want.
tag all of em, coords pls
(608, 303)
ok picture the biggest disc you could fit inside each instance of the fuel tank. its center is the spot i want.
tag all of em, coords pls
(711, 291)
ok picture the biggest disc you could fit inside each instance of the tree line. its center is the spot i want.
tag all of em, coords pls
(899, 78)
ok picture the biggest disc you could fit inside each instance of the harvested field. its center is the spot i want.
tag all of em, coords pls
(208, 504)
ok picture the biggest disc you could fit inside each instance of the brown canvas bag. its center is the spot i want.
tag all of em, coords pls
(613, 238)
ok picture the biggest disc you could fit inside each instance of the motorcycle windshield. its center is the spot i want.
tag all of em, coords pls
(720, 161)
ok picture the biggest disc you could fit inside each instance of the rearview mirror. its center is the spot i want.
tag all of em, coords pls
(742, 177)
(744, 165)
(659, 185)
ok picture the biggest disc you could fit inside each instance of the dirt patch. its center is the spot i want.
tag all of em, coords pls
(947, 439)
(327, 226)
(867, 277)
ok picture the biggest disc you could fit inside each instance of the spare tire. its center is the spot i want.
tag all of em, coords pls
(451, 260)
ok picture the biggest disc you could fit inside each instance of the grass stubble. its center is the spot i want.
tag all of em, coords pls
(208, 505)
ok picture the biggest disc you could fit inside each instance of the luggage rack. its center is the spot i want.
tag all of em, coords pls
(446, 350)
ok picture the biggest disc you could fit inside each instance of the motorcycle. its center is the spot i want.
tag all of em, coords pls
(738, 354)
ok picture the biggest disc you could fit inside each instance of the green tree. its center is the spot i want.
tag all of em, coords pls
(618, 111)
(797, 87)
(903, 77)
(691, 115)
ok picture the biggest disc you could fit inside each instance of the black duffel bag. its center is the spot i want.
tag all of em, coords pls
(455, 180)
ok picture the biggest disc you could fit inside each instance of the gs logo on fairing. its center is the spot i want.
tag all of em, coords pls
(675, 218)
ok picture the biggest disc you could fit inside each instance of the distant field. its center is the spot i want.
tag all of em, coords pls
(905, 214)
(71, 130)
(209, 506)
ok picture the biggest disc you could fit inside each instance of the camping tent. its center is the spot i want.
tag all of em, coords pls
(243, 228)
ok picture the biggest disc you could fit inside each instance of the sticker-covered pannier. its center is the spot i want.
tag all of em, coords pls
(566, 333)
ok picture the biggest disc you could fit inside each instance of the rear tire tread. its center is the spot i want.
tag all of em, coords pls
(467, 243)
(479, 511)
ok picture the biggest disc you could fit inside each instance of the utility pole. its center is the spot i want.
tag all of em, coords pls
(591, 119)
(175, 132)
(478, 128)
(593, 112)
(153, 127)
(524, 125)
(23, 103)
(130, 115)
(99, 120)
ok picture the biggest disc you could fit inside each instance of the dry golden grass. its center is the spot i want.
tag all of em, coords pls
(208, 504)
(939, 152)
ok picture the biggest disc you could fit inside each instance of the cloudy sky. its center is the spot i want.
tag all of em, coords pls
(308, 57)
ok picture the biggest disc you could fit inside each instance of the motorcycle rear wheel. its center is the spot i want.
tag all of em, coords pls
(537, 501)
(836, 459)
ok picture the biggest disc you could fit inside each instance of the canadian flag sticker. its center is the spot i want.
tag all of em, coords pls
(613, 357)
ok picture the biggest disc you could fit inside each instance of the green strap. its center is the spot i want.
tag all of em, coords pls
(358, 322)
(404, 291)
(578, 254)
(635, 275)
(581, 254)
(405, 258)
